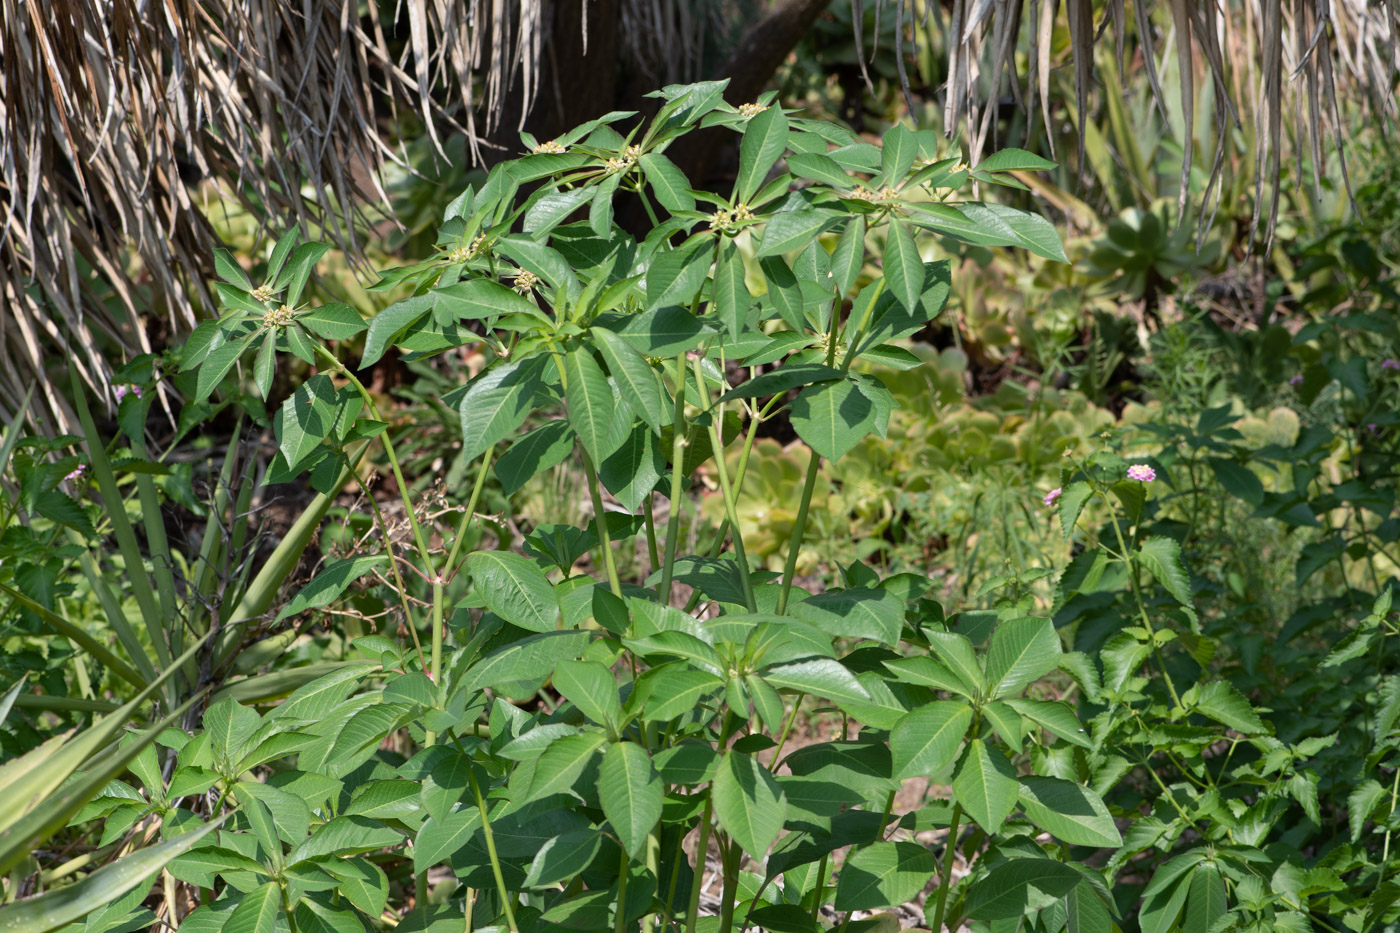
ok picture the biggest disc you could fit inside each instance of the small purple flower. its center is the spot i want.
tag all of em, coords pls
(77, 474)
(1390, 364)
(1052, 495)
(1296, 380)
(1142, 473)
(124, 390)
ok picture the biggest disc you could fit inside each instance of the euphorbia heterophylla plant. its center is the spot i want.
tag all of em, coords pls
(669, 699)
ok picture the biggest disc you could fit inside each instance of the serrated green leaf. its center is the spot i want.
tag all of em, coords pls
(883, 875)
(985, 784)
(927, 738)
(515, 589)
(1069, 812)
(1162, 558)
(748, 802)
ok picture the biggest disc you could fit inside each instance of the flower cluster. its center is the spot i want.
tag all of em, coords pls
(463, 253)
(751, 110)
(1052, 495)
(1390, 364)
(860, 193)
(553, 146)
(124, 390)
(1142, 473)
(77, 474)
(622, 163)
(1296, 380)
(525, 282)
(278, 317)
(262, 293)
(726, 219)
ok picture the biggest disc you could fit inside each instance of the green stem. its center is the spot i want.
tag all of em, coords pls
(620, 914)
(673, 520)
(600, 523)
(491, 849)
(1142, 611)
(702, 849)
(730, 855)
(787, 727)
(949, 851)
(653, 556)
(818, 892)
(799, 528)
(731, 505)
(394, 570)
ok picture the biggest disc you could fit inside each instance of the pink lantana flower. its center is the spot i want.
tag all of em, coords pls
(78, 473)
(1142, 473)
(1052, 495)
(1296, 380)
(124, 390)
(1390, 364)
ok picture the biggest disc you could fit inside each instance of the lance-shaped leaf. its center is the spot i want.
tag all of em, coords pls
(749, 802)
(833, 417)
(543, 448)
(927, 739)
(883, 875)
(635, 378)
(765, 140)
(592, 409)
(327, 585)
(497, 402)
(1021, 651)
(1069, 812)
(904, 270)
(515, 589)
(631, 793)
(985, 785)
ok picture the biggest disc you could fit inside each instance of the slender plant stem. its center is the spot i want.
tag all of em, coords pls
(600, 522)
(787, 727)
(394, 570)
(491, 849)
(730, 855)
(673, 520)
(653, 555)
(950, 850)
(702, 849)
(620, 912)
(799, 528)
(675, 881)
(818, 893)
(731, 505)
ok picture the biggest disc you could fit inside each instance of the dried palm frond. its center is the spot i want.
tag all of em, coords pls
(109, 108)
(1293, 53)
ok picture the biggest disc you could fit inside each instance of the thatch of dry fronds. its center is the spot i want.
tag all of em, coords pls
(108, 106)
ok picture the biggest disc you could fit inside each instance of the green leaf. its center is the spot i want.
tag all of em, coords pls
(1021, 652)
(217, 364)
(678, 693)
(631, 793)
(558, 769)
(955, 651)
(257, 912)
(316, 700)
(1069, 812)
(858, 612)
(748, 802)
(632, 471)
(285, 244)
(782, 379)
(312, 916)
(1162, 558)
(635, 378)
(898, 150)
(904, 269)
(388, 324)
(1013, 887)
(668, 182)
(765, 140)
(334, 321)
(849, 256)
(307, 418)
(262, 366)
(515, 589)
(230, 725)
(70, 903)
(819, 167)
(1361, 803)
(563, 857)
(591, 408)
(1054, 716)
(439, 839)
(228, 269)
(675, 275)
(822, 677)
(528, 659)
(927, 739)
(731, 295)
(298, 270)
(481, 299)
(1072, 503)
(1205, 904)
(1086, 912)
(497, 402)
(833, 417)
(792, 230)
(332, 581)
(883, 875)
(985, 785)
(1221, 701)
(1239, 481)
(445, 785)
(591, 687)
(541, 449)
(1015, 160)
(386, 800)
